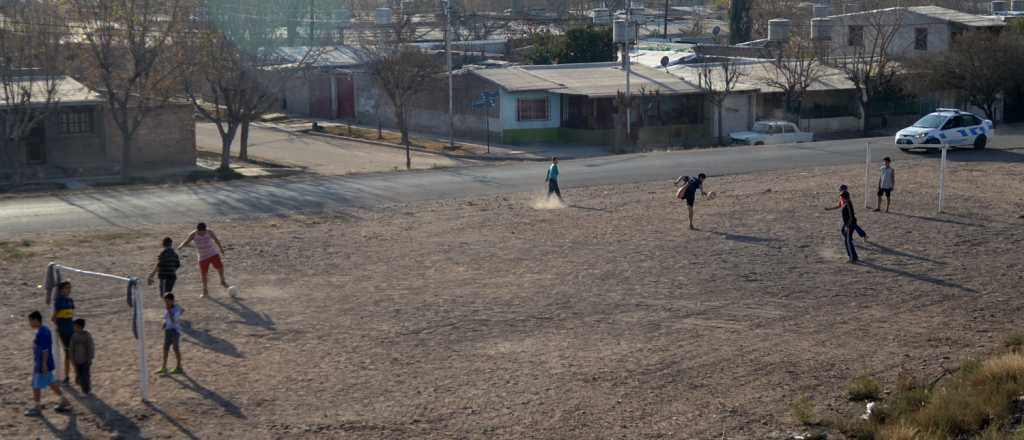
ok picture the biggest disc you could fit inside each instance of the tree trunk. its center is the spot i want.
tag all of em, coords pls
(126, 154)
(718, 109)
(400, 116)
(864, 117)
(243, 142)
(226, 139)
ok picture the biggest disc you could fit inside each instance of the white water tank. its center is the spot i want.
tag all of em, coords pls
(383, 16)
(821, 29)
(622, 32)
(602, 16)
(822, 11)
(778, 29)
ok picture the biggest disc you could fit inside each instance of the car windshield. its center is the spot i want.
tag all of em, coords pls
(761, 127)
(930, 121)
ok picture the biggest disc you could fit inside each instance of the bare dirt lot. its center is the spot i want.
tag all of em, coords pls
(489, 318)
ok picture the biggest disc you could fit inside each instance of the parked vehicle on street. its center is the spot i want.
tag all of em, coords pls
(771, 132)
(946, 126)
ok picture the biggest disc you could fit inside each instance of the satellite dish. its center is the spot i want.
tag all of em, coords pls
(717, 30)
(664, 61)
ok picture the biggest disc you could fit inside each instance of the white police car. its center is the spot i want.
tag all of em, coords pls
(946, 126)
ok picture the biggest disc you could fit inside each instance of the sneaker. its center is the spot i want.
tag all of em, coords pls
(33, 412)
(162, 371)
(63, 407)
(177, 371)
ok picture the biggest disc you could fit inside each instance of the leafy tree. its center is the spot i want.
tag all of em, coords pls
(588, 45)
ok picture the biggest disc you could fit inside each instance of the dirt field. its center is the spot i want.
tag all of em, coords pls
(492, 319)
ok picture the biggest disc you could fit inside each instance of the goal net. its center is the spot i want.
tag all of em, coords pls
(56, 273)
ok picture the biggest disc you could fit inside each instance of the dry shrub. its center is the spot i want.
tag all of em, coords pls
(1015, 343)
(901, 431)
(803, 411)
(864, 388)
(1008, 368)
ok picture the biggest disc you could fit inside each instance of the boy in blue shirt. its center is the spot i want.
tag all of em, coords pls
(43, 366)
(64, 319)
(552, 179)
(172, 333)
(688, 192)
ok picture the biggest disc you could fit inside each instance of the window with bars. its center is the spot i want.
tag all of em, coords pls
(77, 121)
(921, 38)
(855, 36)
(532, 109)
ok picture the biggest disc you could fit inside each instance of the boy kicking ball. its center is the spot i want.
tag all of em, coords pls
(210, 251)
(688, 192)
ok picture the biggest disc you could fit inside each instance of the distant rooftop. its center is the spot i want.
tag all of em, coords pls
(66, 90)
(942, 14)
(595, 80)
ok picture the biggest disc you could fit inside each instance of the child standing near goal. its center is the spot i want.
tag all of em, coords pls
(172, 333)
(210, 251)
(43, 366)
(886, 183)
(64, 319)
(83, 350)
(166, 268)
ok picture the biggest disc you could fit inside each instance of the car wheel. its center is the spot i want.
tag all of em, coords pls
(980, 142)
(758, 143)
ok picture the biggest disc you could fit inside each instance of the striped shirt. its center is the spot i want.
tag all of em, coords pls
(205, 245)
(168, 263)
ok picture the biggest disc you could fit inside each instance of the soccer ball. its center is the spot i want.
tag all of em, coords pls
(233, 291)
(711, 195)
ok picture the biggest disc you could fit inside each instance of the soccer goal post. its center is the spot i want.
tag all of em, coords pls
(133, 290)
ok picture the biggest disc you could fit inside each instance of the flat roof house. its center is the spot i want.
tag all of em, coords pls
(919, 30)
(77, 137)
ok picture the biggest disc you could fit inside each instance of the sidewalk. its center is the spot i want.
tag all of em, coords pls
(472, 148)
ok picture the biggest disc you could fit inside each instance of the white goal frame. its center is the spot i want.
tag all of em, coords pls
(137, 311)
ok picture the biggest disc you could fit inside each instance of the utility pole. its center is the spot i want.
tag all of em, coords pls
(311, 22)
(665, 34)
(626, 58)
(448, 54)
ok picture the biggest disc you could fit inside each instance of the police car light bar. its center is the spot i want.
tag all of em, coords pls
(955, 110)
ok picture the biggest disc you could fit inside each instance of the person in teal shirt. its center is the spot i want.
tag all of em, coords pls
(552, 179)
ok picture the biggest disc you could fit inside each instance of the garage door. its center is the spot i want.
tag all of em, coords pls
(736, 114)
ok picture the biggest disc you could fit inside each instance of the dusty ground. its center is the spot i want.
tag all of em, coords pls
(492, 319)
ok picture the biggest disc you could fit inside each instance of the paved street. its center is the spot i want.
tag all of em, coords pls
(129, 207)
(320, 155)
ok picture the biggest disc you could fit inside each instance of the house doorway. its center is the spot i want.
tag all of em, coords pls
(35, 146)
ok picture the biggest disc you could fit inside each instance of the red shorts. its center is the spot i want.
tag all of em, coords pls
(204, 266)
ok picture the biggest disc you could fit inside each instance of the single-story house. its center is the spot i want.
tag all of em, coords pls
(78, 137)
(327, 87)
(579, 104)
(919, 30)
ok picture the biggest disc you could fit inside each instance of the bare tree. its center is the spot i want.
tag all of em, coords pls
(718, 80)
(31, 52)
(868, 63)
(238, 73)
(968, 67)
(130, 45)
(793, 71)
(402, 75)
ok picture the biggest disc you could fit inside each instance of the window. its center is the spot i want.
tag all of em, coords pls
(532, 109)
(855, 36)
(78, 121)
(920, 38)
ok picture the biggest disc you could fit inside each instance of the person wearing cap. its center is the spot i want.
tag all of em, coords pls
(843, 189)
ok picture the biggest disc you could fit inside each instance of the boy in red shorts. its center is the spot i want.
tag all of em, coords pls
(210, 251)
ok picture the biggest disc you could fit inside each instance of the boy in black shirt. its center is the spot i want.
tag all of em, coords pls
(167, 265)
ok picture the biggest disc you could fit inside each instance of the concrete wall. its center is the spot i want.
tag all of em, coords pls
(737, 113)
(841, 124)
(165, 141)
(877, 24)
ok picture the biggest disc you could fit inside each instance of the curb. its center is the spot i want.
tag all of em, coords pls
(426, 151)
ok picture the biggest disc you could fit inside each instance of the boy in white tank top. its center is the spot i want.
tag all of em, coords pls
(210, 250)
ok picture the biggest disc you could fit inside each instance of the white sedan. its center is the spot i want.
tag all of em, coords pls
(946, 126)
(771, 132)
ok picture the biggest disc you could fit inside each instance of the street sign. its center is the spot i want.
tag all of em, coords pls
(486, 100)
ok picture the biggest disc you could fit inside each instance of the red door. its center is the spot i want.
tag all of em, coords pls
(320, 97)
(346, 96)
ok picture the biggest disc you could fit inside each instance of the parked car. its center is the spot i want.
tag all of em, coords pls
(946, 126)
(771, 132)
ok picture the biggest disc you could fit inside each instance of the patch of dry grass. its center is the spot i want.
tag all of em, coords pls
(863, 388)
(392, 138)
(15, 250)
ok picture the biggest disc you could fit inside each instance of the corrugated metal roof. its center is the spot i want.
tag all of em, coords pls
(597, 80)
(66, 90)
